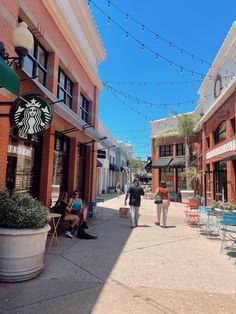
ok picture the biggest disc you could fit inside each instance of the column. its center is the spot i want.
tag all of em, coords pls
(47, 166)
(72, 172)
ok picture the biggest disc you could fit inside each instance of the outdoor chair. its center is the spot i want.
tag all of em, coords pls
(212, 222)
(191, 213)
(228, 232)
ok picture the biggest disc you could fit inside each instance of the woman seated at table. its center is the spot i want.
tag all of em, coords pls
(67, 214)
(77, 207)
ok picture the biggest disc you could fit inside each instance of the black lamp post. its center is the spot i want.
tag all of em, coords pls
(22, 40)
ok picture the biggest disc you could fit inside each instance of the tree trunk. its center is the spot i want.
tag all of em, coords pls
(187, 162)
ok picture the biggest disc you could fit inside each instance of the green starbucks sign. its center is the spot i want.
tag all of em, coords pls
(31, 114)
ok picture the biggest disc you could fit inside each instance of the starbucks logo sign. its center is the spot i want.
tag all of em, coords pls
(31, 114)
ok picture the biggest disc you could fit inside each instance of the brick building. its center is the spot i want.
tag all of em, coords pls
(215, 150)
(63, 63)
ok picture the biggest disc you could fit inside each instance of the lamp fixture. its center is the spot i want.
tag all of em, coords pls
(22, 40)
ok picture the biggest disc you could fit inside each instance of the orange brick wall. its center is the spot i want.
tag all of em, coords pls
(47, 32)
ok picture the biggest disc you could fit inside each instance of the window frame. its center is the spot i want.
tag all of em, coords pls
(33, 57)
(63, 88)
(84, 108)
(218, 133)
(166, 150)
(180, 151)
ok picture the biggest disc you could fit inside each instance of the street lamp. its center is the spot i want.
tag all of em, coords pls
(22, 40)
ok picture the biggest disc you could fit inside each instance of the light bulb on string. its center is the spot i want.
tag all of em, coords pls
(108, 20)
(170, 65)
(181, 70)
(192, 74)
(181, 51)
(127, 35)
(89, 2)
(109, 3)
(192, 57)
(143, 27)
(170, 44)
(126, 17)
(157, 56)
(142, 47)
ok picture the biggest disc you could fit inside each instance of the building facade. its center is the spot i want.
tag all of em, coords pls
(215, 151)
(218, 124)
(61, 68)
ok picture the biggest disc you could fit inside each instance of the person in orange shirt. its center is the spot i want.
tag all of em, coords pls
(163, 207)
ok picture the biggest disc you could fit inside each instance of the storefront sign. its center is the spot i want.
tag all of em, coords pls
(228, 147)
(31, 114)
(19, 150)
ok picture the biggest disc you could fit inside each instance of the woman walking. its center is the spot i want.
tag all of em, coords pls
(163, 207)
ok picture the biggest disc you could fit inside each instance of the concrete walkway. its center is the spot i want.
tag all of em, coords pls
(143, 270)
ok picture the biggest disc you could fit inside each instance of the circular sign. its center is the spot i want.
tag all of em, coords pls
(217, 86)
(31, 114)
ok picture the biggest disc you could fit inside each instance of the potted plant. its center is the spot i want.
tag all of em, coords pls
(23, 233)
(194, 176)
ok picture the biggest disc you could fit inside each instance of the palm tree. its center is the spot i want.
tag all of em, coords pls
(194, 176)
(187, 129)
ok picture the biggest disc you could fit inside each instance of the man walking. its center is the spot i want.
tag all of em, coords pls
(134, 194)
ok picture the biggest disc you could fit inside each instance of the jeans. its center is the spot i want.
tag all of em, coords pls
(164, 208)
(134, 215)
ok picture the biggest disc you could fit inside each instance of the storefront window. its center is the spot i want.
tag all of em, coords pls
(181, 181)
(167, 175)
(81, 166)
(166, 150)
(220, 181)
(220, 133)
(60, 165)
(23, 162)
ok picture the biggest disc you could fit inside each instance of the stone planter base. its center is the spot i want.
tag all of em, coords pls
(21, 253)
(186, 195)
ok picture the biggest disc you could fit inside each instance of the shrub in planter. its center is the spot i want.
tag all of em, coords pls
(21, 211)
(23, 234)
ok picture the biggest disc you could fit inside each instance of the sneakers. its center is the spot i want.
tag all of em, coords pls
(157, 223)
(68, 234)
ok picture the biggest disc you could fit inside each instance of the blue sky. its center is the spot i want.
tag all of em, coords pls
(198, 27)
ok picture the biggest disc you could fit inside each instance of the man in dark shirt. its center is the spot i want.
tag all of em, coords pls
(134, 194)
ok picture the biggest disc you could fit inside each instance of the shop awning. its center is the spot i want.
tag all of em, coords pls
(99, 164)
(8, 78)
(178, 161)
(162, 162)
(233, 157)
(113, 167)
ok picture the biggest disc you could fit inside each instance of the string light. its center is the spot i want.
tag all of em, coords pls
(143, 45)
(143, 101)
(158, 36)
(127, 35)
(108, 20)
(109, 3)
(126, 17)
(158, 83)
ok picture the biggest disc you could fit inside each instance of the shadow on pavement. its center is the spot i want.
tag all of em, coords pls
(74, 273)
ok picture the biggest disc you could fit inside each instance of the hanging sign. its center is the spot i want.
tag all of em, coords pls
(31, 114)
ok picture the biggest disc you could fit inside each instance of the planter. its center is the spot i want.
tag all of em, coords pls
(21, 253)
(186, 195)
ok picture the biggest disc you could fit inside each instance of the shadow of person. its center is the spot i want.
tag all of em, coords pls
(144, 226)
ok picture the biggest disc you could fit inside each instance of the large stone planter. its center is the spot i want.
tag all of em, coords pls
(21, 253)
(186, 195)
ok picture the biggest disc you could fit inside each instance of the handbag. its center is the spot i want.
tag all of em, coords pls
(158, 199)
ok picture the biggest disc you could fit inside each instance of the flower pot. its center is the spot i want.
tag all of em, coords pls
(186, 195)
(21, 253)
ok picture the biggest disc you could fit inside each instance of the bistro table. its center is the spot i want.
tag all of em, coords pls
(54, 219)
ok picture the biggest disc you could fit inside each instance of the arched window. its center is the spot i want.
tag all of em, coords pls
(220, 133)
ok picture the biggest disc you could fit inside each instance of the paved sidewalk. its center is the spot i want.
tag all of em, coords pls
(143, 270)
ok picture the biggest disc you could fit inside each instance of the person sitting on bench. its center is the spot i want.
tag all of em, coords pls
(67, 214)
(77, 208)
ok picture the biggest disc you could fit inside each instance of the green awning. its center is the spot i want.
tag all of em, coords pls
(8, 78)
